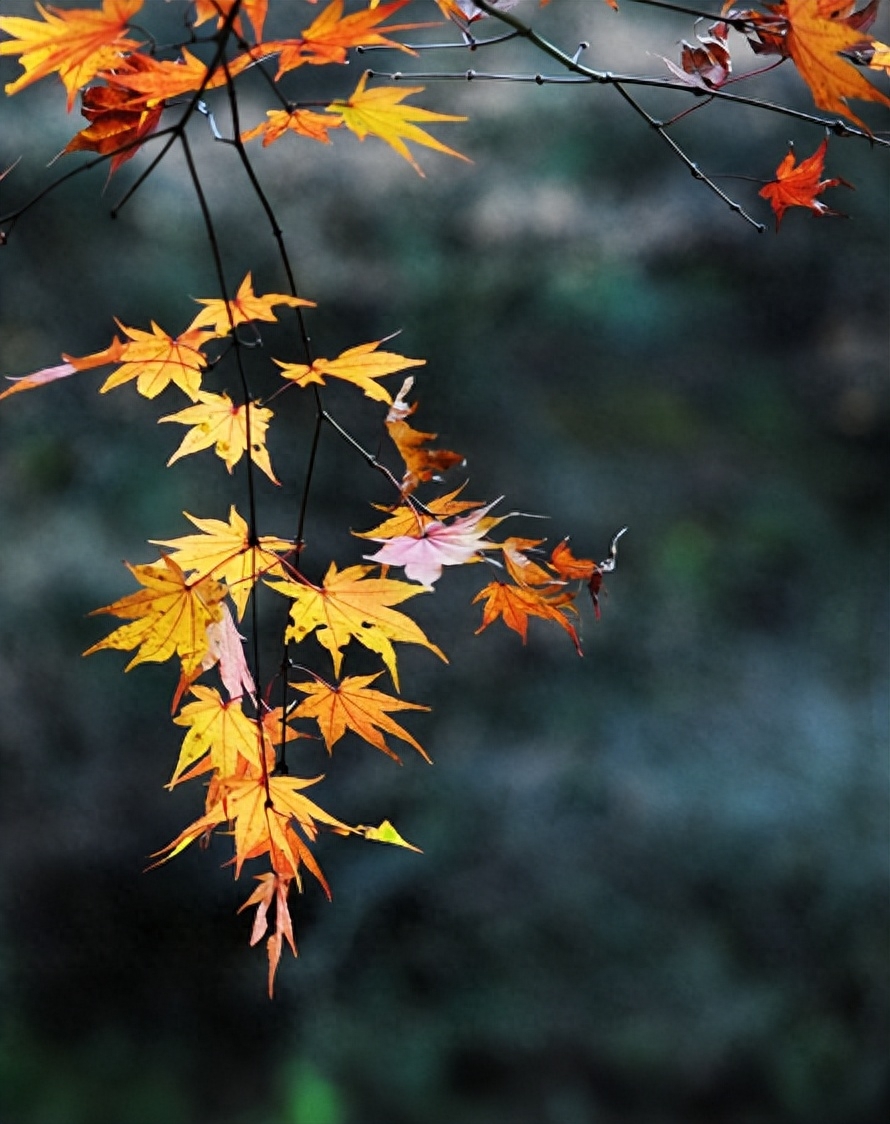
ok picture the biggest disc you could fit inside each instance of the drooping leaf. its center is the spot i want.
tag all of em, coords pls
(246, 306)
(114, 123)
(358, 365)
(272, 887)
(169, 616)
(71, 366)
(354, 705)
(155, 359)
(217, 421)
(76, 44)
(797, 185)
(379, 113)
(350, 605)
(421, 464)
(224, 550)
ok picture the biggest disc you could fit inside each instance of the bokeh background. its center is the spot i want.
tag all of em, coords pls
(654, 882)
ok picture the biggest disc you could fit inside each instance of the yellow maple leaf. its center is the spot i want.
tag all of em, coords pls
(350, 605)
(219, 734)
(245, 307)
(224, 550)
(155, 359)
(378, 113)
(76, 44)
(217, 421)
(169, 616)
(354, 705)
(359, 365)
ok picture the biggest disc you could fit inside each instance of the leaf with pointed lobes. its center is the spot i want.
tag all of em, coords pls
(438, 545)
(358, 365)
(354, 705)
(152, 79)
(515, 604)
(71, 366)
(379, 113)
(224, 550)
(76, 44)
(261, 811)
(386, 833)
(330, 36)
(169, 616)
(303, 122)
(421, 464)
(408, 519)
(522, 569)
(115, 123)
(219, 733)
(155, 359)
(221, 316)
(352, 606)
(255, 10)
(217, 421)
(797, 185)
(272, 887)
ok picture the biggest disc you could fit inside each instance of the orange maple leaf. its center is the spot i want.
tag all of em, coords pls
(797, 185)
(77, 44)
(115, 123)
(255, 10)
(515, 604)
(224, 550)
(420, 464)
(354, 705)
(378, 113)
(358, 365)
(169, 616)
(350, 605)
(217, 421)
(272, 887)
(222, 315)
(303, 122)
(158, 79)
(155, 359)
(331, 34)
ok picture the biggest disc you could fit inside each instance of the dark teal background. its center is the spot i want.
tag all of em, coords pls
(654, 880)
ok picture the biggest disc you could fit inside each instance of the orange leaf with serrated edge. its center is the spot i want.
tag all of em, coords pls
(255, 10)
(358, 365)
(568, 566)
(272, 887)
(379, 113)
(515, 604)
(219, 732)
(155, 359)
(331, 34)
(797, 185)
(350, 605)
(158, 79)
(114, 123)
(353, 705)
(170, 616)
(224, 551)
(217, 421)
(420, 464)
(71, 366)
(521, 568)
(303, 122)
(76, 44)
(246, 306)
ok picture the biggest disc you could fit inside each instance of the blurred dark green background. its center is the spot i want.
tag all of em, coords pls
(654, 882)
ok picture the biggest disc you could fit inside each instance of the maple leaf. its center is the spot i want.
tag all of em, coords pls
(358, 365)
(439, 544)
(222, 315)
(218, 731)
(224, 550)
(354, 705)
(331, 34)
(71, 366)
(378, 113)
(303, 122)
(420, 464)
(159, 79)
(272, 887)
(217, 421)
(225, 647)
(410, 520)
(255, 10)
(706, 64)
(77, 44)
(169, 616)
(350, 605)
(515, 604)
(115, 123)
(797, 185)
(522, 569)
(155, 359)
